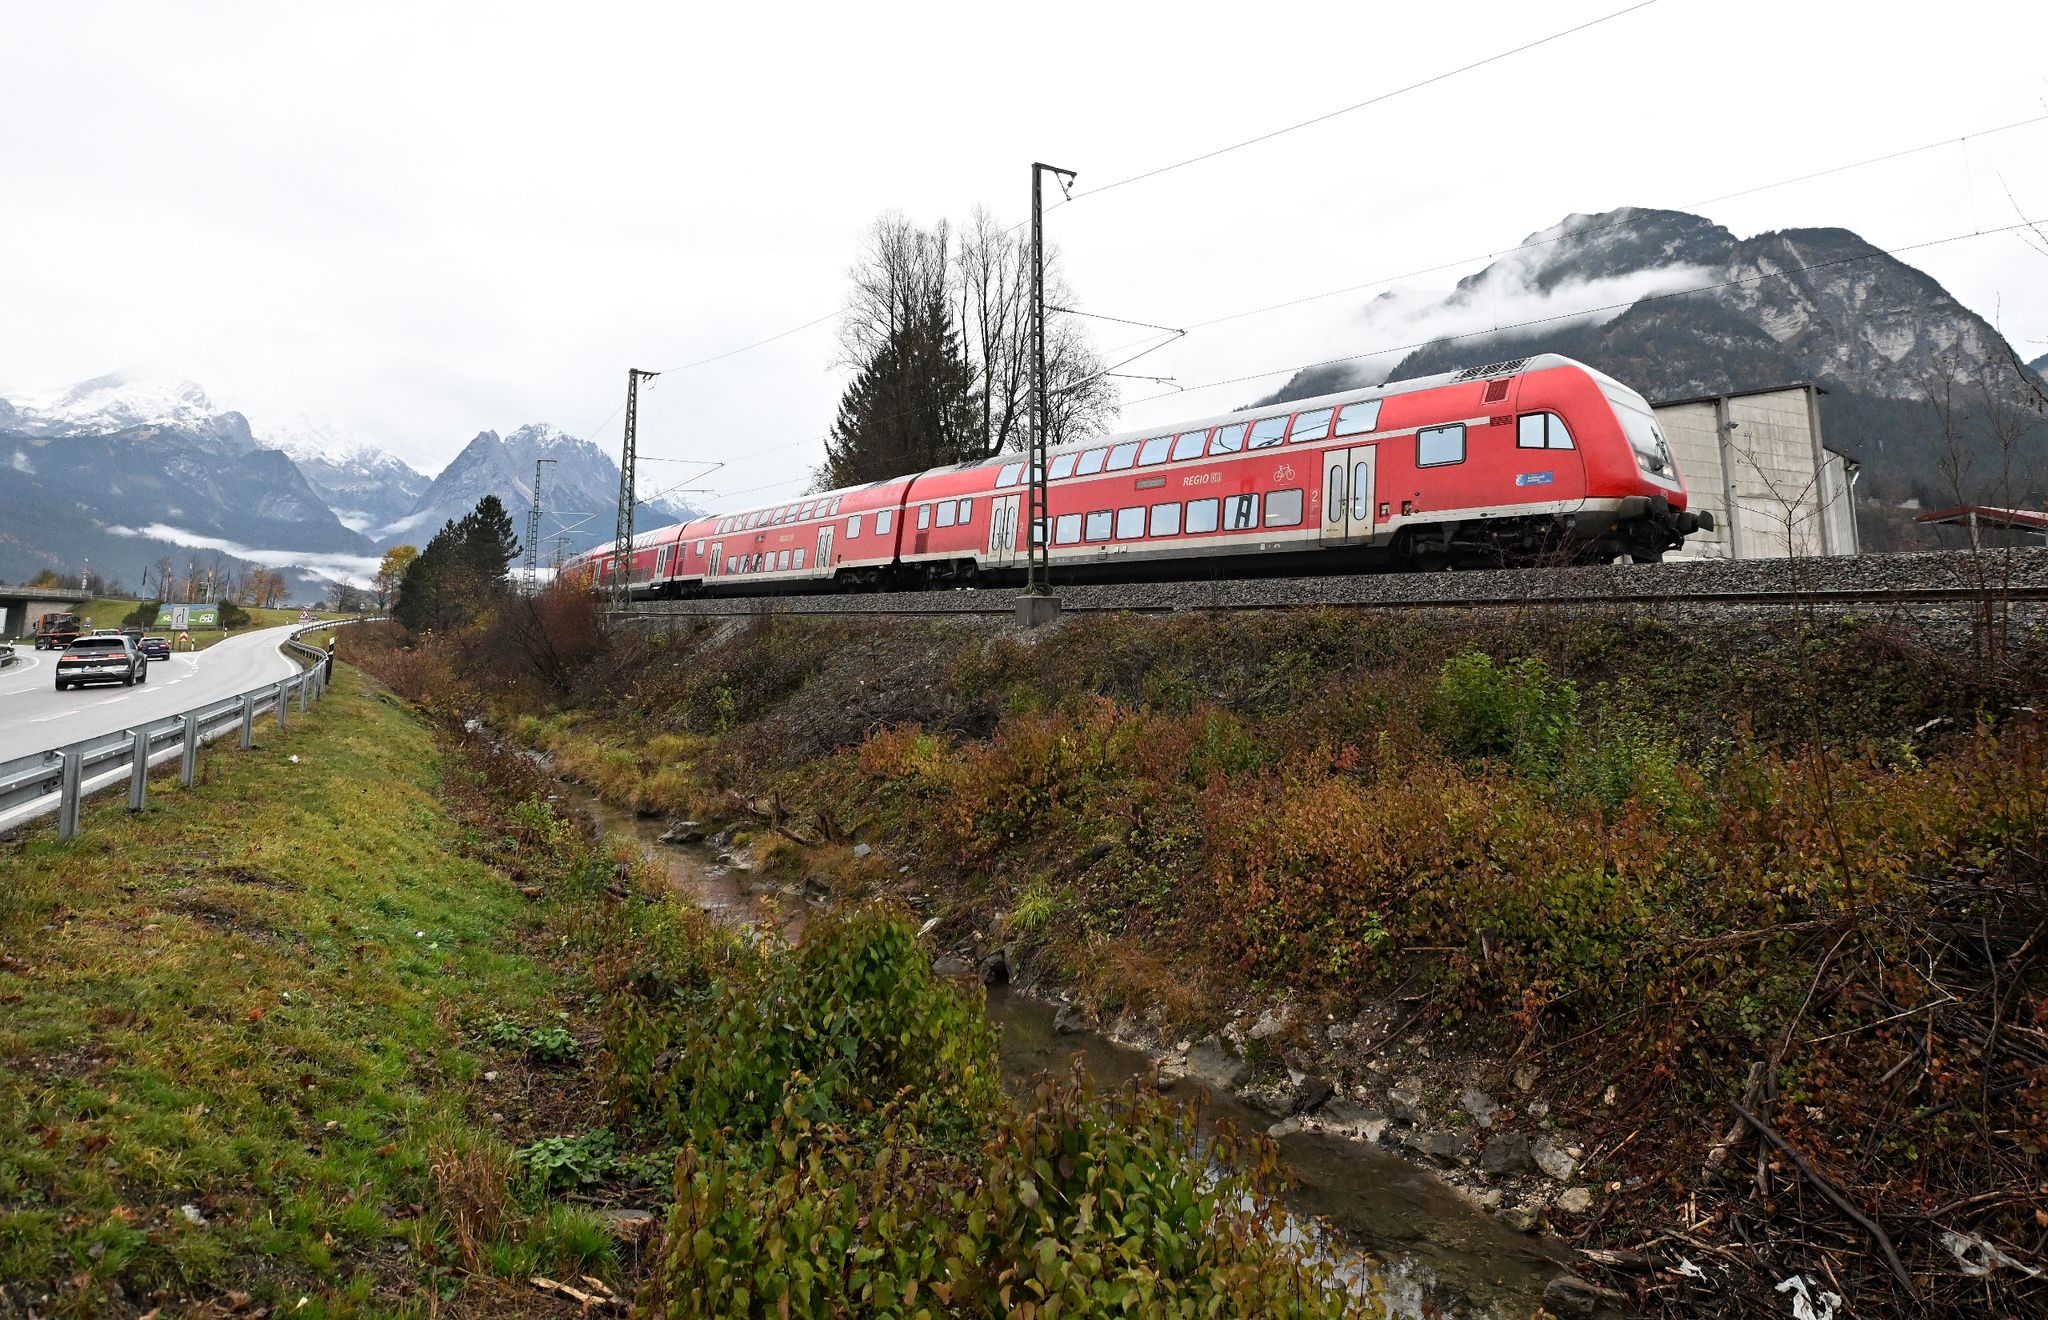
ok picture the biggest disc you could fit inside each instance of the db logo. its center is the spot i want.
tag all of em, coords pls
(1285, 472)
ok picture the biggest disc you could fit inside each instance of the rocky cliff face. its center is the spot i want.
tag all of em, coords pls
(1791, 305)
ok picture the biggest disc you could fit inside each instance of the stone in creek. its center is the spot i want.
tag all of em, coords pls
(1286, 1127)
(1556, 1163)
(1524, 1218)
(952, 965)
(1211, 1063)
(1507, 1153)
(1404, 1101)
(1480, 1105)
(1570, 1295)
(1442, 1147)
(683, 831)
(861, 851)
(1575, 1200)
(1312, 1094)
(1071, 1020)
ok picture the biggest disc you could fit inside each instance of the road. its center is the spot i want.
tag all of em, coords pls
(35, 717)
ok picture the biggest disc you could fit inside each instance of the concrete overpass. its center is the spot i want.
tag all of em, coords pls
(20, 605)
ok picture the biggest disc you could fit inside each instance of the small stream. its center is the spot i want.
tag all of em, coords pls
(1430, 1250)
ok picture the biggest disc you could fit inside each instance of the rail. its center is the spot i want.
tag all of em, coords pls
(62, 779)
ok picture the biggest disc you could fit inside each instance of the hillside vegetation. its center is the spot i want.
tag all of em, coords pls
(1767, 889)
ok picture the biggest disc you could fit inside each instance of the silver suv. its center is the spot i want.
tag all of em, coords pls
(102, 660)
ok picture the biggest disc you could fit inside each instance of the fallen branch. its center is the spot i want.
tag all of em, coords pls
(1834, 1195)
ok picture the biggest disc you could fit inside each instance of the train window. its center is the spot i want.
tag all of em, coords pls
(1091, 463)
(1189, 445)
(1130, 523)
(1438, 445)
(700, 548)
(946, 511)
(1011, 474)
(1283, 508)
(1529, 432)
(853, 528)
(1098, 525)
(1062, 466)
(1359, 418)
(924, 517)
(1166, 520)
(799, 561)
(1268, 432)
(1202, 515)
(1333, 490)
(884, 521)
(1066, 529)
(967, 510)
(1123, 456)
(807, 511)
(1155, 451)
(1229, 439)
(1310, 426)
(1241, 512)
(1555, 436)
(782, 560)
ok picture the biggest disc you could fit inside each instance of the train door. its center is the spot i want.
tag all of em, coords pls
(825, 551)
(717, 559)
(1002, 532)
(1348, 492)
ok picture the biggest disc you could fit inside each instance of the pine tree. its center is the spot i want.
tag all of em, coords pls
(910, 405)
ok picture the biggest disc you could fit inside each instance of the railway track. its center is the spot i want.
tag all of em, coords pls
(1941, 579)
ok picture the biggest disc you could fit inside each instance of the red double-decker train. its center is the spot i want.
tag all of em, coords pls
(1541, 459)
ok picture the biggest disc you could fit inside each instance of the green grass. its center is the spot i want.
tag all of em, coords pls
(252, 1001)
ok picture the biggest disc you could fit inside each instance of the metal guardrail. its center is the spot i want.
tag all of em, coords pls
(60, 780)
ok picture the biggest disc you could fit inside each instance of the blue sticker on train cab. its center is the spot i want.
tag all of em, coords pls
(1533, 478)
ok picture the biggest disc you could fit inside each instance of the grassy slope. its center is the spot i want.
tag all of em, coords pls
(252, 1004)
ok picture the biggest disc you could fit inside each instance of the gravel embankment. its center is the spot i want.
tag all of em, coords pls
(1876, 577)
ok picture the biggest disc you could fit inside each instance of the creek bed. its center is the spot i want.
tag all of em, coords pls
(1430, 1251)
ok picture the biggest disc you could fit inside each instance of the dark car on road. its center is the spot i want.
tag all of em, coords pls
(102, 660)
(157, 648)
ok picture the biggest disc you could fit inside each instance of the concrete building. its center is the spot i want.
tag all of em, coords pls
(1755, 459)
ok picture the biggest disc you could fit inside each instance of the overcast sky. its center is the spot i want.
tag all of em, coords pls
(426, 220)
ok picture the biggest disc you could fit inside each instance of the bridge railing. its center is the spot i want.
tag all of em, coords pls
(62, 779)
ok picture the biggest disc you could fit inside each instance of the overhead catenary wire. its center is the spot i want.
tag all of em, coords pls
(1383, 97)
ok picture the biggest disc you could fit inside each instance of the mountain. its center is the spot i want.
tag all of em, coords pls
(120, 472)
(363, 485)
(1886, 340)
(2039, 366)
(580, 489)
(118, 402)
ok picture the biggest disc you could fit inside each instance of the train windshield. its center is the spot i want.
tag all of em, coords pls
(1653, 455)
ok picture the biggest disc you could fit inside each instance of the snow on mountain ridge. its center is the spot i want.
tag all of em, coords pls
(116, 402)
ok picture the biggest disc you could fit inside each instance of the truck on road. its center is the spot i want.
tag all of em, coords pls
(54, 632)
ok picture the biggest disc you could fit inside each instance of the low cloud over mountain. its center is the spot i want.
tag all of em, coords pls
(1616, 290)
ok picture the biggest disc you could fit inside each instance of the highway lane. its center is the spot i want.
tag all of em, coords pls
(35, 717)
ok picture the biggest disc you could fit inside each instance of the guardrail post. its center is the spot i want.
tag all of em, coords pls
(68, 792)
(188, 759)
(138, 769)
(304, 684)
(248, 739)
(284, 693)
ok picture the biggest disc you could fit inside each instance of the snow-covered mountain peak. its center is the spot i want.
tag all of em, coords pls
(323, 440)
(116, 402)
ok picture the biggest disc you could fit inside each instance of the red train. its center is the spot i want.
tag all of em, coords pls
(1536, 460)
